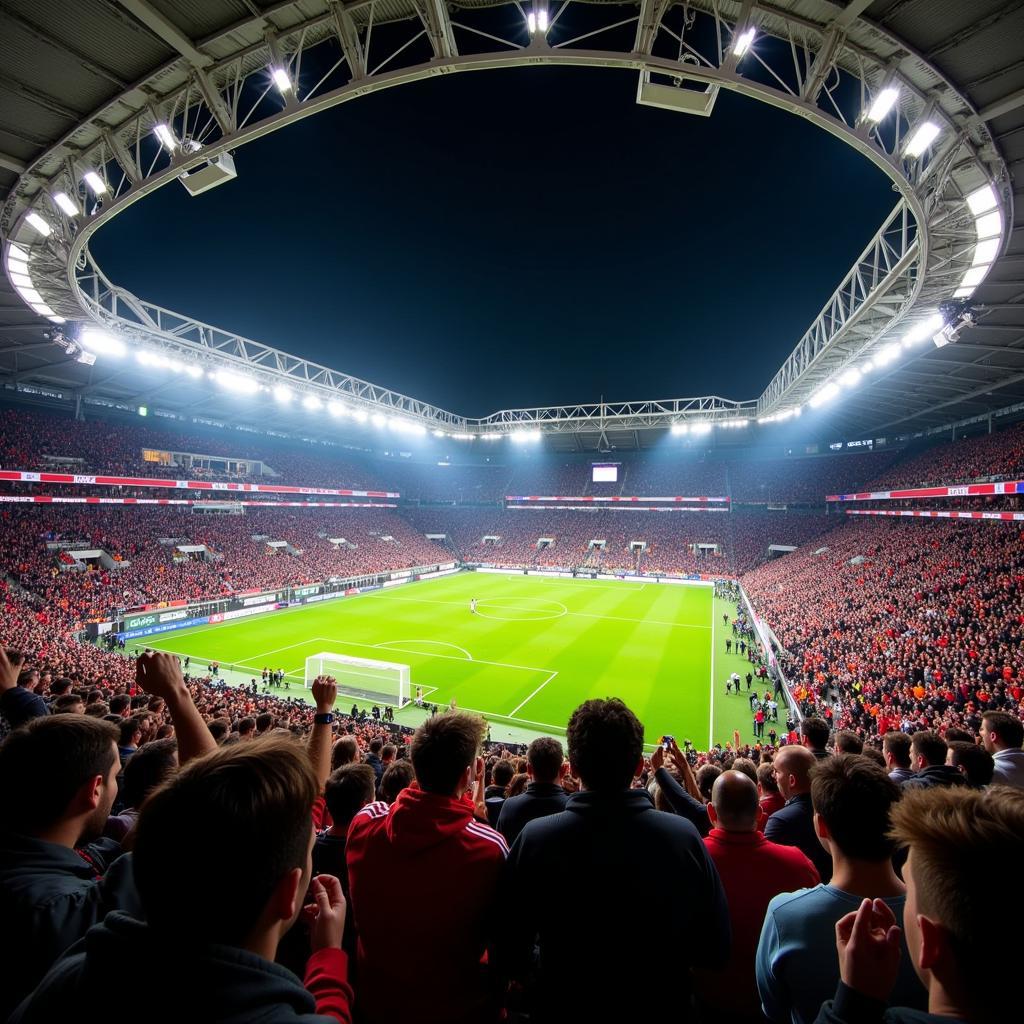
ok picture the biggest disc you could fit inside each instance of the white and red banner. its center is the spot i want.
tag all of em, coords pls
(622, 508)
(84, 480)
(1005, 517)
(952, 491)
(609, 498)
(45, 499)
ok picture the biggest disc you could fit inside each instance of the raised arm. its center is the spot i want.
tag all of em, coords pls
(159, 674)
(325, 693)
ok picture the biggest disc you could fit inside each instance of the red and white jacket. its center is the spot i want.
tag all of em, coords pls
(423, 875)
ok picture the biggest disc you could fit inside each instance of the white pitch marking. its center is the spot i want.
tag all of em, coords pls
(393, 644)
(512, 713)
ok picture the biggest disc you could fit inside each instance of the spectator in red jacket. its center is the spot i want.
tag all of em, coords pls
(248, 808)
(430, 838)
(752, 870)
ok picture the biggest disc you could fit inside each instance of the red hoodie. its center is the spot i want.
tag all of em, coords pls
(422, 876)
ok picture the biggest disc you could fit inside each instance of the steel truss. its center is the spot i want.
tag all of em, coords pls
(824, 64)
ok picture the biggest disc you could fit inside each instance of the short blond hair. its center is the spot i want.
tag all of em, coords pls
(961, 839)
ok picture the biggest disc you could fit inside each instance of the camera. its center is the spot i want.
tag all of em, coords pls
(666, 742)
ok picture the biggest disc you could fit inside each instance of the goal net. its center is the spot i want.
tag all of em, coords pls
(383, 682)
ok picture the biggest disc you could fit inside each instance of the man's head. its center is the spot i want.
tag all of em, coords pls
(975, 763)
(852, 798)
(388, 753)
(792, 766)
(376, 746)
(345, 751)
(896, 750)
(444, 751)
(131, 732)
(1001, 731)
(397, 776)
(69, 704)
(264, 722)
(544, 759)
(705, 778)
(959, 840)
(249, 806)
(61, 777)
(848, 742)
(120, 704)
(927, 749)
(247, 728)
(502, 772)
(606, 744)
(347, 791)
(814, 733)
(734, 803)
(147, 768)
(766, 779)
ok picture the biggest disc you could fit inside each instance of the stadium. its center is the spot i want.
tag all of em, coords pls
(351, 616)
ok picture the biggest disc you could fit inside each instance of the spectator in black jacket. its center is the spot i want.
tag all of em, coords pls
(19, 703)
(60, 781)
(928, 759)
(544, 793)
(587, 883)
(374, 761)
(958, 841)
(494, 794)
(793, 825)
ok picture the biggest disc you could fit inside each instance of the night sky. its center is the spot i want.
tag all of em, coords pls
(519, 237)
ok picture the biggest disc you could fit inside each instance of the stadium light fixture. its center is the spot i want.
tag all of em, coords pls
(236, 382)
(985, 252)
(39, 224)
(166, 137)
(743, 41)
(982, 200)
(438, 433)
(887, 353)
(96, 184)
(195, 372)
(379, 419)
(281, 79)
(101, 342)
(700, 427)
(335, 408)
(680, 428)
(882, 104)
(989, 225)
(922, 331)
(312, 403)
(66, 204)
(283, 394)
(867, 366)
(361, 415)
(463, 437)
(851, 378)
(491, 437)
(924, 135)
(732, 423)
(542, 20)
(823, 395)
(523, 436)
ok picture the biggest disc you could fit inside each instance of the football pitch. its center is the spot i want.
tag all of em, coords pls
(535, 649)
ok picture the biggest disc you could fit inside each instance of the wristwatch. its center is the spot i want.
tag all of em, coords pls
(325, 719)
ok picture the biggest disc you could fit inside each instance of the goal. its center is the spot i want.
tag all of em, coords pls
(383, 682)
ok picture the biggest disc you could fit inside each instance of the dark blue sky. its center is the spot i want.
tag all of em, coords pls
(520, 237)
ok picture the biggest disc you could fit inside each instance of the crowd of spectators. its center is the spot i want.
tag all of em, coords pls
(891, 624)
(863, 897)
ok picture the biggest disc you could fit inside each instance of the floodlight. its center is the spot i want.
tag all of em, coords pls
(867, 366)
(312, 403)
(985, 252)
(283, 394)
(236, 382)
(882, 104)
(379, 419)
(982, 200)
(101, 342)
(531, 23)
(281, 79)
(851, 378)
(732, 423)
(823, 395)
(95, 183)
(361, 415)
(925, 134)
(193, 371)
(166, 136)
(491, 437)
(887, 353)
(438, 433)
(525, 435)
(743, 41)
(922, 331)
(989, 225)
(700, 427)
(680, 428)
(945, 336)
(542, 19)
(66, 203)
(335, 408)
(463, 437)
(143, 411)
(38, 223)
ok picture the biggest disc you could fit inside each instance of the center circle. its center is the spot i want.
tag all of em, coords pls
(520, 609)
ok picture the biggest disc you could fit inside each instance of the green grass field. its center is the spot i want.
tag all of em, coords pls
(536, 648)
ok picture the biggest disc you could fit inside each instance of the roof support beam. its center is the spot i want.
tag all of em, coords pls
(824, 62)
(215, 102)
(348, 37)
(166, 31)
(124, 158)
(11, 163)
(1003, 106)
(434, 15)
(648, 24)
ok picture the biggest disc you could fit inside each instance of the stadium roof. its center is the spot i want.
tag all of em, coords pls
(83, 85)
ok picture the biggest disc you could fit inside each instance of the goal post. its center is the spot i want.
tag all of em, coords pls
(383, 682)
